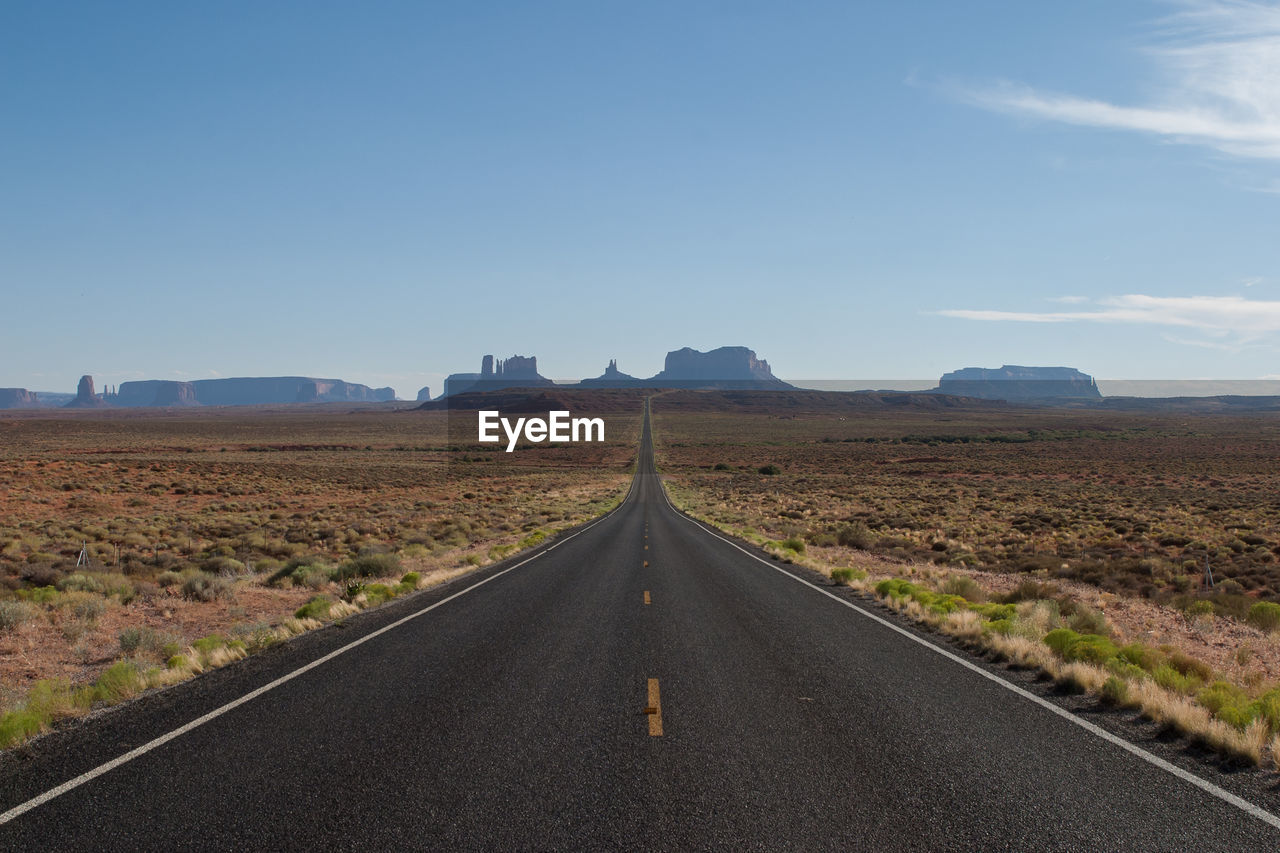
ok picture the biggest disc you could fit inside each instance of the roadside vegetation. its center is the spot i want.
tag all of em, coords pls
(1074, 552)
(139, 549)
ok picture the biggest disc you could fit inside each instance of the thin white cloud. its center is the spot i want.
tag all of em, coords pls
(1220, 60)
(1203, 344)
(1244, 319)
(1068, 300)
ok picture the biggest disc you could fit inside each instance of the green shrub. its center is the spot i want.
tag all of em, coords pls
(1086, 620)
(84, 605)
(106, 584)
(1115, 691)
(177, 661)
(501, 552)
(224, 566)
(1229, 703)
(267, 566)
(1189, 666)
(40, 595)
(855, 535)
(1220, 694)
(1060, 639)
(1265, 615)
(999, 626)
(1170, 679)
(412, 579)
(895, 588)
(13, 614)
(316, 608)
(769, 470)
(995, 611)
(795, 543)
(1091, 648)
(1143, 657)
(131, 639)
(205, 645)
(1122, 668)
(943, 604)
(376, 593)
(202, 586)
(81, 582)
(964, 586)
(169, 578)
(1268, 707)
(537, 537)
(18, 725)
(1029, 590)
(1200, 608)
(845, 576)
(120, 681)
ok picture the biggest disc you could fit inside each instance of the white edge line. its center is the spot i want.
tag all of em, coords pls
(1203, 784)
(90, 775)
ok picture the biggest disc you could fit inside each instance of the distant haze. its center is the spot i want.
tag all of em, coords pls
(1107, 387)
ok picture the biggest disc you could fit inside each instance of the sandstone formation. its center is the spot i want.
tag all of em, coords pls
(156, 392)
(613, 378)
(86, 397)
(17, 398)
(424, 394)
(1015, 382)
(723, 368)
(516, 372)
(726, 367)
(247, 392)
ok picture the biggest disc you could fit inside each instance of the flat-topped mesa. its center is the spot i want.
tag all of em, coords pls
(18, 398)
(86, 397)
(156, 392)
(424, 394)
(725, 367)
(516, 372)
(249, 391)
(1016, 382)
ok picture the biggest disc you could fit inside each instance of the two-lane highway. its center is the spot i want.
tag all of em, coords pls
(521, 715)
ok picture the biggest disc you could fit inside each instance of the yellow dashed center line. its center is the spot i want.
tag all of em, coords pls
(654, 709)
(646, 596)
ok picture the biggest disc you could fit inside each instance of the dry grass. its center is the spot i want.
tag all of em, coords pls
(185, 516)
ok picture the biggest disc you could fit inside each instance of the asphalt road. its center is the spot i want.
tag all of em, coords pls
(517, 716)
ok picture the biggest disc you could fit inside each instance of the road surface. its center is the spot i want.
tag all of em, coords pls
(641, 685)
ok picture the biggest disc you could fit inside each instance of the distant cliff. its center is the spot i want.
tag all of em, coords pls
(1015, 382)
(18, 398)
(248, 391)
(516, 372)
(86, 397)
(726, 367)
(156, 392)
(723, 368)
(613, 378)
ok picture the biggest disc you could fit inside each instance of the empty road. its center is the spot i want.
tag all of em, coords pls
(643, 684)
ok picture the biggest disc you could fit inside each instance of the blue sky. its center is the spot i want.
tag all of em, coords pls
(383, 192)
